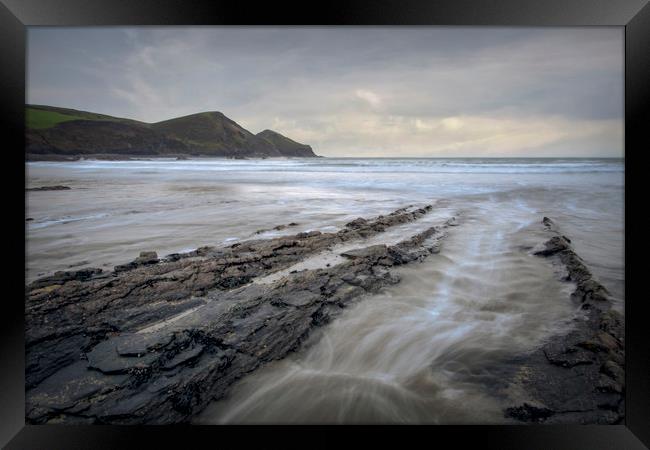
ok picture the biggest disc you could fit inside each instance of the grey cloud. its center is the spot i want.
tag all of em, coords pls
(306, 79)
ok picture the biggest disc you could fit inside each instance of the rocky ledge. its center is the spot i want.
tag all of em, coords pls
(154, 341)
(578, 377)
(49, 188)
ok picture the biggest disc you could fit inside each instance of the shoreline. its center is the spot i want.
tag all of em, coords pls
(164, 361)
(35, 157)
(55, 157)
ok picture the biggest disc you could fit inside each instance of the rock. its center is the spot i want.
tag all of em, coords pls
(452, 222)
(147, 258)
(172, 257)
(277, 228)
(308, 234)
(357, 223)
(529, 413)
(553, 246)
(578, 376)
(62, 277)
(171, 373)
(105, 358)
(614, 371)
(78, 384)
(49, 188)
(184, 357)
(374, 252)
(549, 224)
(559, 354)
(137, 344)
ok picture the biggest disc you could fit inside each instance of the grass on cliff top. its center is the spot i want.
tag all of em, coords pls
(39, 119)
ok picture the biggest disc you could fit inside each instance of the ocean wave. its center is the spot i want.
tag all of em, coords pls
(364, 165)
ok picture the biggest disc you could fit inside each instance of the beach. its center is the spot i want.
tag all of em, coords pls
(451, 248)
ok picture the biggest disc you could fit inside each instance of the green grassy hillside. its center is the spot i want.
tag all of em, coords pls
(40, 117)
(214, 133)
(53, 130)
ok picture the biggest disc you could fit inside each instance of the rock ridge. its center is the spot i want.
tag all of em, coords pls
(157, 340)
(578, 377)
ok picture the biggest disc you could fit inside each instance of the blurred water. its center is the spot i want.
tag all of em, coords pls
(418, 352)
(338, 165)
(116, 209)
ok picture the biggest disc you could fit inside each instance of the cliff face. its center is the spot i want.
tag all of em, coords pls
(85, 137)
(61, 131)
(286, 146)
(212, 133)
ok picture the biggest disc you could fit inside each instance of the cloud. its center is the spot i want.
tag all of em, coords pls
(379, 135)
(368, 96)
(353, 91)
(452, 123)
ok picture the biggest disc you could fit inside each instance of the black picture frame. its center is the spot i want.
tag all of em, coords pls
(16, 15)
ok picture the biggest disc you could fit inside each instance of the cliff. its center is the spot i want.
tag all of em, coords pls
(59, 131)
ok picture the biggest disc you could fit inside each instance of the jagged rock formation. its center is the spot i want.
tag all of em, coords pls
(578, 377)
(157, 339)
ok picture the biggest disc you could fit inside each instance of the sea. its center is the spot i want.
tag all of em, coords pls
(420, 351)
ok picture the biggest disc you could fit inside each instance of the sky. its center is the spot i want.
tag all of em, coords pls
(353, 91)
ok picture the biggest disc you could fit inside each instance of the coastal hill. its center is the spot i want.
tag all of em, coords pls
(288, 146)
(67, 132)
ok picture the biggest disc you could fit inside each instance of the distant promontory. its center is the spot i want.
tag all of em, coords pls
(53, 131)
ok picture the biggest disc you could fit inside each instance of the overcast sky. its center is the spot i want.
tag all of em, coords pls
(353, 91)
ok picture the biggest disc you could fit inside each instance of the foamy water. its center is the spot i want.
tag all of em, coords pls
(417, 352)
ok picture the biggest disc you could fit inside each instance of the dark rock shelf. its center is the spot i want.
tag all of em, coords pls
(158, 339)
(578, 377)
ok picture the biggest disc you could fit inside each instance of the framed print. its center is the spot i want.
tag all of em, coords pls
(265, 221)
